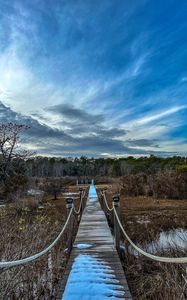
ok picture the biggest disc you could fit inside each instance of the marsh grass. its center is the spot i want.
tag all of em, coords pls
(144, 219)
(23, 232)
(152, 280)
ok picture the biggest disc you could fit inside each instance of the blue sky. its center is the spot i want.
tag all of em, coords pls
(96, 78)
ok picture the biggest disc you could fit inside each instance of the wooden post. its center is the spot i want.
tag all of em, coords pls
(101, 199)
(116, 225)
(69, 205)
(105, 208)
(80, 195)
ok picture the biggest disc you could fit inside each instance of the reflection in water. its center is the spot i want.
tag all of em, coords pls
(91, 278)
(171, 239)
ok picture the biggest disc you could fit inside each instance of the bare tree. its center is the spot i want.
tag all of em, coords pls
(10, 149)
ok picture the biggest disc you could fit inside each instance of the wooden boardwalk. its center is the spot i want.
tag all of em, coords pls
(94, 270)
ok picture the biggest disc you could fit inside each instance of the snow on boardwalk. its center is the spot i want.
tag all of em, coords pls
(94, 271)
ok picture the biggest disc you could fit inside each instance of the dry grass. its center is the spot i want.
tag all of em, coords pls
(24, 232)
(152, 280)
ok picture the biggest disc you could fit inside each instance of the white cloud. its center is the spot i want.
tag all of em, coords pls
(178, 145)
(155, 116)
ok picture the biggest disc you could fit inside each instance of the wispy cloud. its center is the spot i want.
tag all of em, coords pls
(71, 72)
(158, 115)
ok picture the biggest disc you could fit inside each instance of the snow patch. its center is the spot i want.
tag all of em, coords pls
(82, 246)
(91, 278)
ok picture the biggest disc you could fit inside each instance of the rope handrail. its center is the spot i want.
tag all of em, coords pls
(104, 197)
(23, 261)
(179, 260)
(77, 212)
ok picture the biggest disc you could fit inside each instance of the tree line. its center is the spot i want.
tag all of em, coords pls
(18, 165)
(91, 167)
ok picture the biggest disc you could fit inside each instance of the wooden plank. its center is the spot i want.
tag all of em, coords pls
(94, 270)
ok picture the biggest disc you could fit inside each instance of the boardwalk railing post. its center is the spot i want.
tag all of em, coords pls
(83, 202)
(101, 199)
(104, 204)
(80, 195)
(116, 225)
(69, 205)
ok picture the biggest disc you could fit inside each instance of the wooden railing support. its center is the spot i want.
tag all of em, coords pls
(69, 205)
(101, 199)
(103, 191)
(80, 197)
(116, 200)
(105, 208)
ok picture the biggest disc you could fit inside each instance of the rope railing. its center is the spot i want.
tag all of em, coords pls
(26, 260)
(77, 212)
(107, 206)
(178, 260)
